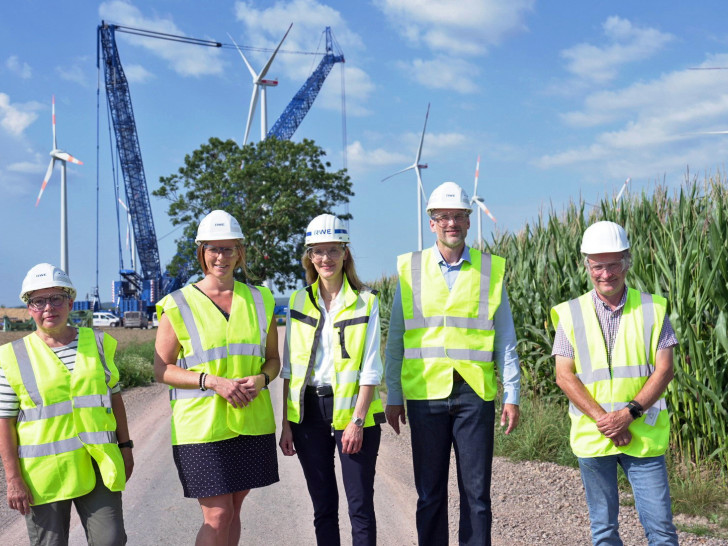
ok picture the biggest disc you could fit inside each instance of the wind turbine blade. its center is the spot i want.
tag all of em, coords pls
(270, 61)
(486, 211)
(398, 172)
(419, 182)
(422, 138)
(53, 102)
(624, 187)
(45, 180)
(123, 205)
(477, 174)
(250, 68)
(63, 156)
(251, 112)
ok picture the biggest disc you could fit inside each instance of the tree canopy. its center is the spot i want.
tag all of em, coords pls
(281, 187)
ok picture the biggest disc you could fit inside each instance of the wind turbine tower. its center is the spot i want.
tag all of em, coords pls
(62, 157)
(259, 85)
(481, 206)
(419, 189)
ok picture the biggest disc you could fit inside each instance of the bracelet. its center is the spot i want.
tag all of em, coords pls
(202, 381)
(267, 378)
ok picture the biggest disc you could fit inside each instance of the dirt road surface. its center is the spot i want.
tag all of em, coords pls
(533, 503)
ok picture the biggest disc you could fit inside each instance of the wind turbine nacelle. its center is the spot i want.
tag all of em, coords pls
(424, 166)
(268, 83)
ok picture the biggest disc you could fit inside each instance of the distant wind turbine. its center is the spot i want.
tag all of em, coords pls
(128, 223)
(260, 84)
(63, 158)
(481, 205)
(624, 187)
(420, 190)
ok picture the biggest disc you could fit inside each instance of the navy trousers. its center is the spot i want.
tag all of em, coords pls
(315, 443)
(465, 421)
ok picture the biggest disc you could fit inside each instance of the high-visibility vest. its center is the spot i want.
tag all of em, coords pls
(449, 329)
(350, 329)
(633, 361)
(232, 349)
(65, 419)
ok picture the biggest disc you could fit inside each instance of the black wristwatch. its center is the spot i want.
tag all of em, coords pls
(128, 444)
(635, 409)
(267, 378)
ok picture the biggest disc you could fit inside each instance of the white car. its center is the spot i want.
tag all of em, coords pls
(103, 318)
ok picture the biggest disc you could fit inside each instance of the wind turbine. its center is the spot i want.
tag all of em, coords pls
(481, 205)
(63, 158)
(259, 84)
(624, 187)
(128, 223)
(420, 190)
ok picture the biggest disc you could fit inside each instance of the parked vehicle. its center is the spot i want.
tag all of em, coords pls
(155, 320)
(135, 319)
(104, 318)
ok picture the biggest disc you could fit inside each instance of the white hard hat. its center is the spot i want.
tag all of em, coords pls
(45, 276)
(448, 195)
(326, 228)
(218, 226)
(602, 237)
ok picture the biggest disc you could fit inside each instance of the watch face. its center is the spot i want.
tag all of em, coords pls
(358, 421)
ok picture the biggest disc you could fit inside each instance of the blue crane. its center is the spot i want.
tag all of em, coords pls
(139, 291)
(299, 106)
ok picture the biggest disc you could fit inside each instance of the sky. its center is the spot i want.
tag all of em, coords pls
(561, 100)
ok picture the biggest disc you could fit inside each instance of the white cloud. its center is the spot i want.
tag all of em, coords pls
(466, 27)
(21, 69)
(184, 59)
(27, 167)
(443, 73)
(136, 73)
(360, 159)
(651, 127)
(15, 118)
(74, 73)
(626, 43)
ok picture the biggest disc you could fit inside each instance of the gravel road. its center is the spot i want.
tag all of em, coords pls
(533, 503)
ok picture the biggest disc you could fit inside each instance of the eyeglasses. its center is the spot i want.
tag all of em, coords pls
(613, 267)
(334, 253)
(226, 251)
(56, 300)
(444, 219)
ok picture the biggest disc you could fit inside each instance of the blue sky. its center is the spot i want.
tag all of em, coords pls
(560, 100)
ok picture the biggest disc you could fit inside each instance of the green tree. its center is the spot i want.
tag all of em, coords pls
(282, 186)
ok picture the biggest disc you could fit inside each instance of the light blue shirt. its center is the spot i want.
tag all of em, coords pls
(504, 349)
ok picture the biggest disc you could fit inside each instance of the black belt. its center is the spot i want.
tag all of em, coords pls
(321, 391)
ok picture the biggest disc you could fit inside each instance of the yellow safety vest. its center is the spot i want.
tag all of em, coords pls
(350, 324)
(65, 419)
(232, 349)
(449, 329)
(633, 360)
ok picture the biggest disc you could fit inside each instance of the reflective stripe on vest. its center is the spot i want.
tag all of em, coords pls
(418, 320)
(200, 356)
(660, 405)
(443, 352)
(588, 375)
(64, 446)
(41, 411)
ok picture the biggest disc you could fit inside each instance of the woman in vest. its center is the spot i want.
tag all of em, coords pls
(331, 369)
(217, 349)
(63, 433)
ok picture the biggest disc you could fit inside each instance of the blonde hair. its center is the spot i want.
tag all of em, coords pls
(349, 269)
(239, 263)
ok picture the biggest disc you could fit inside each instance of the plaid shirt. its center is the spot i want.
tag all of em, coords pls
(609, 321)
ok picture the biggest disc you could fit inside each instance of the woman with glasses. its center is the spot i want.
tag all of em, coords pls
(63, 432)
(331, 370)
(217, 349)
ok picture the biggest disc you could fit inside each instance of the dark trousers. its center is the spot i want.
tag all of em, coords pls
(465, 421)
(315, 445)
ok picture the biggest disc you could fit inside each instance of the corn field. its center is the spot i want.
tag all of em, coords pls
(679, 245)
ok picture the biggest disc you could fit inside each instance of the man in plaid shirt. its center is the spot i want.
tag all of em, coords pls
(614, 361)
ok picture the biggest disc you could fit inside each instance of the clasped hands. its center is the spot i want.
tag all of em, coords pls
(238, 392)
(615, 426)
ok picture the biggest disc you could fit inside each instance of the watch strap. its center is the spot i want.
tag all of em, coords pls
(128, 443)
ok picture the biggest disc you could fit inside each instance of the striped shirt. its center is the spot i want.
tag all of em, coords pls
(9, 403)
(609, 322)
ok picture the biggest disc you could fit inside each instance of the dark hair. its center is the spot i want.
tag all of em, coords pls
(349, 269)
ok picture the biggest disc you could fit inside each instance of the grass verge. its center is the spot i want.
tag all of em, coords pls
(135, 365)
